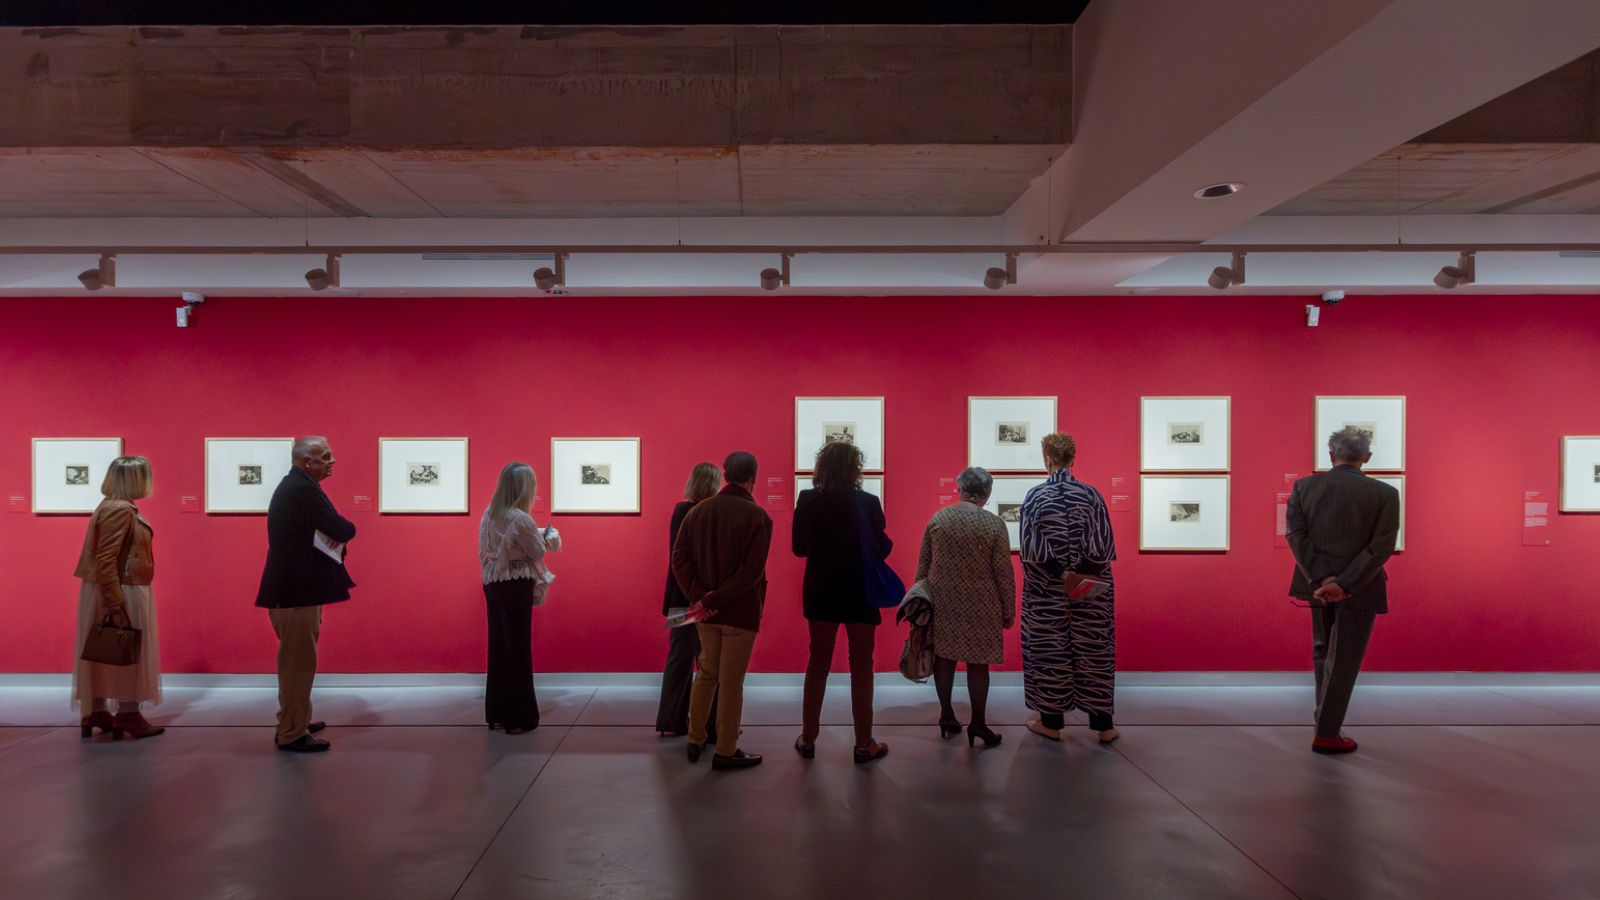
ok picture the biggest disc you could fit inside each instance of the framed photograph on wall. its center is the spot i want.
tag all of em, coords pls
(1003, 432)
(822, 420)
(1006, 499)
(1184, 434)
(1398, 482)
(594, 475)
(872, 484)
(422, 475)
(1580, 473)
(1183, 512)
(1383, 417)
(67, 472)
(242, 473)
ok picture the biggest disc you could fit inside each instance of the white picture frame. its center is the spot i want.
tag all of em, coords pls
(1003, 433)
(1386, 416)
(1580, 474)
(67, 472)
(1185, 434)
(1184, 513)
(422, 475)
(594, 475)
(242, 473)
(1005, 500)
(872, 484)
(1398, 482)
(817, 418)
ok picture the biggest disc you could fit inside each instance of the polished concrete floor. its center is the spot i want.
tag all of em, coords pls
(1458, 791)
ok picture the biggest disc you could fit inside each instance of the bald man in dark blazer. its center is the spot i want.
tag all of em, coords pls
(1342, 528)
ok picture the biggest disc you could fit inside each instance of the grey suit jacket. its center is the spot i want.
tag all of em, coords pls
(1344, 524)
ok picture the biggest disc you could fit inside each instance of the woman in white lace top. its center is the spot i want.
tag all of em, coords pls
(511, 552)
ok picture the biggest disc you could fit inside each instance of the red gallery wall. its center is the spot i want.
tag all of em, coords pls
(1492, 384)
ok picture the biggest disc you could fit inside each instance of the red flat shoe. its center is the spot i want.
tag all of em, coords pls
(1334, 745)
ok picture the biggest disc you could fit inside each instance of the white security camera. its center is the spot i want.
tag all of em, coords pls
(191, 299)
(1332, 298)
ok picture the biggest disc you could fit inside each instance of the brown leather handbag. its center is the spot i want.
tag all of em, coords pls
(112, 644)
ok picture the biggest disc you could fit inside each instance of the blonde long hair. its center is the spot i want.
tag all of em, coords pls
(705, 480)
(514, 490)
(127, 478)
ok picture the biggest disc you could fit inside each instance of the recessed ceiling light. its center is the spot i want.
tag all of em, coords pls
(1223, 189)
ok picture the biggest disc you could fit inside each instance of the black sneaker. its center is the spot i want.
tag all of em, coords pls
(739, 760)
(306, 744)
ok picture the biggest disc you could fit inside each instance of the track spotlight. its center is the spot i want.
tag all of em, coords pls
(322, 279)
(1223, 277)
(772, 279)
(548, 279)
(103, 275)
(1465, 271)
(995, 278)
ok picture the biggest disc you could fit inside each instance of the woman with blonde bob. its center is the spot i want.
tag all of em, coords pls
(511, 551)
(117, 567)
(683, 644)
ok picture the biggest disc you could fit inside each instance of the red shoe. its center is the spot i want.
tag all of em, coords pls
(1340, 744)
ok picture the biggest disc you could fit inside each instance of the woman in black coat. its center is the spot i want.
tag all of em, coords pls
(683, 644)
(827, 532)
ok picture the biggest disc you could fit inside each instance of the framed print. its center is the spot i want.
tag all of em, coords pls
(1003, 432)
(872, 484)
(67, 472)
(1184, 434)
(242, 473)
(822, 420)
(1580, 473)
(1398, 482)
(1183, 512)
(594, 475)
(1383, 417)
(1005, 501)
(422, 475)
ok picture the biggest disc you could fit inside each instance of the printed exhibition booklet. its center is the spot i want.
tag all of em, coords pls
(334, 549)
(679, 616)
(1084, 587)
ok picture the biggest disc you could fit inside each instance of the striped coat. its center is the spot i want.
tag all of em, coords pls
(1068, 650)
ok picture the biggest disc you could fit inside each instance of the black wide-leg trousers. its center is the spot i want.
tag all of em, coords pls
(508, 697)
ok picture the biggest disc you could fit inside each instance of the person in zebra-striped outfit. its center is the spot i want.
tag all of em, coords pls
(1068, 649)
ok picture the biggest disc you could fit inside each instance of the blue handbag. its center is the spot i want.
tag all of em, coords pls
(885, 590)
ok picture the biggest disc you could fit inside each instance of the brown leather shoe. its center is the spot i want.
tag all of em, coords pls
(135, 726)
(101, 720)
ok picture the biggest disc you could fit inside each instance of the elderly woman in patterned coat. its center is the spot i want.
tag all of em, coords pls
(966, 565)
(1068, 648)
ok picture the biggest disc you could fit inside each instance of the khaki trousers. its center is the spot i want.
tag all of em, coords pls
(724, 660)
(297, 629)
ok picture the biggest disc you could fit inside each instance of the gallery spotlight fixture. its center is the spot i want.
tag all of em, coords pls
(1221, 189)
(103, 275)
(324, 278)
(1223, 277)
(548, 279)
(1465, 271)
(772, 279)
(995, 278)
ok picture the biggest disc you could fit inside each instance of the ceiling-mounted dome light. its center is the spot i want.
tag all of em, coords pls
(1220, 189)
(995, 278)
(548, 279)
(1465, 271)
(322, 279)
(103, 275)
(774, 278)
(1223, 277)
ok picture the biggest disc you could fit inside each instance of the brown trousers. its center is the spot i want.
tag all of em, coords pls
(724, 660)
(298, 629)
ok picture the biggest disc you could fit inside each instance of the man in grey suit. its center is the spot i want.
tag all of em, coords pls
(1342, 529)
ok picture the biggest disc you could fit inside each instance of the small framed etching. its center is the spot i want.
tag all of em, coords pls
(67, 472)
(1183, 512)
(594, 475)
(1184, 434)
(1005, 501)
(1003, 433)
(819, 421)
(422, 475)
(1580, 473)
(872, 484)
(1384, 420)
(1398, 482)
(242, 473)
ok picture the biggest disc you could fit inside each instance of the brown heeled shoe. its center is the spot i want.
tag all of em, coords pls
(135, 725)
(100, 719)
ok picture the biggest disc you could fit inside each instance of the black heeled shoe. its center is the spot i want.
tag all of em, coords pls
(989, 736)
(806, 749)
(694, 751)
(949, 728)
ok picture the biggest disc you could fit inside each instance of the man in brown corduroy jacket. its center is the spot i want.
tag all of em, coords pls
(720, 562)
